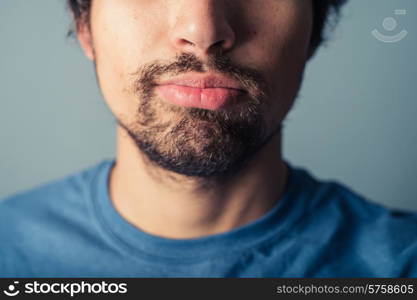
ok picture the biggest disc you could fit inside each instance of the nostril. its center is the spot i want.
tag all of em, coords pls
(218, 44)
(185, 42)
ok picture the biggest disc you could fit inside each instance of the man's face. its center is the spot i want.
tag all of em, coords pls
(139, 45)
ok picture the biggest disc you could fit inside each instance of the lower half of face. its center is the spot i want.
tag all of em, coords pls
(267, 60)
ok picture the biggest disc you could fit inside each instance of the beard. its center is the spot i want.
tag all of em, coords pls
(195, 142)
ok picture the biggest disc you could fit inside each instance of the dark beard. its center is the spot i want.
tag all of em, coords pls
(197, 142)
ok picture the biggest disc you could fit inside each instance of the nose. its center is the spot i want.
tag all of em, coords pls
(202, 27)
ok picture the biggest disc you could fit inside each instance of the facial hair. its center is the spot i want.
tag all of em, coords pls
(195, 142)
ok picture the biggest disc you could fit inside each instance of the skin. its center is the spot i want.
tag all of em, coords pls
(270, 36)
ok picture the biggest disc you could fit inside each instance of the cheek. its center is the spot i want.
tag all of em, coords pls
(285, 46)
(121, 43)
(112, 76)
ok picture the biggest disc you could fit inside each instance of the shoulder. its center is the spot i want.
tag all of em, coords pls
(382, 237)
(57, 194)
(325, 195)
(34, 221)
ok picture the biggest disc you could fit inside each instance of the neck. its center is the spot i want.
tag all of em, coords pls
(174, 206)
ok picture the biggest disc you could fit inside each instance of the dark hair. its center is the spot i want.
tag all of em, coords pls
(326, 13)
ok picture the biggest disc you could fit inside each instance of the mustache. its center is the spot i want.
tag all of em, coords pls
(145, 76)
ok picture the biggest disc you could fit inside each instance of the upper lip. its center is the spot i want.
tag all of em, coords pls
(204, 81)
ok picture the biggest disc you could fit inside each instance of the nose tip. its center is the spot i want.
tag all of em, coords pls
(204, 29)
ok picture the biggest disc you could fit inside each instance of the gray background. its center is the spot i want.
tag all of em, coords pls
(354, 121)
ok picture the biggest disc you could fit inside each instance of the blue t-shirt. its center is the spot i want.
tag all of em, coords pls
(69, 228)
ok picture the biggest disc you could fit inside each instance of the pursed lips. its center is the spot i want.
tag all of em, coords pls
(207, 91)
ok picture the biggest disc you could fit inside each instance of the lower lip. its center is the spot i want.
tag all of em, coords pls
(206, 98)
